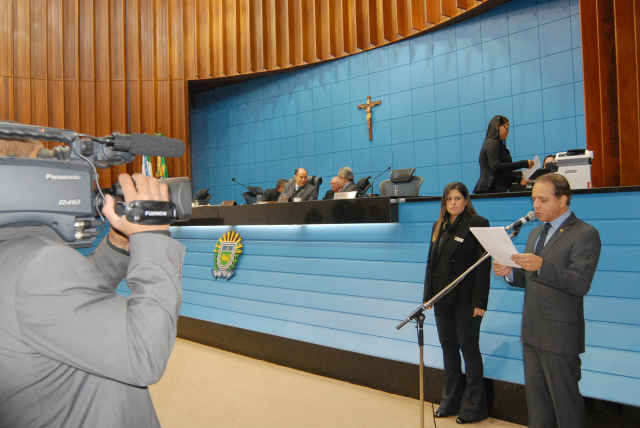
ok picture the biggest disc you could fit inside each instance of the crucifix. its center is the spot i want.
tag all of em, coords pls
(368, 106)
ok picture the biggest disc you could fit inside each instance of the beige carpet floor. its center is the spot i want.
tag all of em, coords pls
(205, 387)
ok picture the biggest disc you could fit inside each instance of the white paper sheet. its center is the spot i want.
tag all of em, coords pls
(497, 243)
(527, 172)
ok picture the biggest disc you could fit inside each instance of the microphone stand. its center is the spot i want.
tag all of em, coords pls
(372, 180)
(419, 316)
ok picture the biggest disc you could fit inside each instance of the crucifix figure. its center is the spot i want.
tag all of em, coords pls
(368, 106)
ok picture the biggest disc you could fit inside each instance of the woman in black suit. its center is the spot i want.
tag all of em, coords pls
(496, 166)
(459, 313)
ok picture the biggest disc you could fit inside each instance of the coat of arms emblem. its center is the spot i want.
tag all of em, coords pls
(226, 254)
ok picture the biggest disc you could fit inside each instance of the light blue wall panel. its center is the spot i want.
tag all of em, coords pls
(348, 286)
(438, 92)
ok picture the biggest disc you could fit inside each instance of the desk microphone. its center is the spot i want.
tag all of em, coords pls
(252, 191)
(388, 168)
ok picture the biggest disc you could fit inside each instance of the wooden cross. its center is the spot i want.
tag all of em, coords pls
(368, 106)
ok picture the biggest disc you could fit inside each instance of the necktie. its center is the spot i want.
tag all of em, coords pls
(542, 238)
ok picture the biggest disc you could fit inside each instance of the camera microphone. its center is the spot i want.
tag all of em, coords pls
(144, 144)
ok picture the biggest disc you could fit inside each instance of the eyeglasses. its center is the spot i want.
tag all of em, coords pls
(506, 127)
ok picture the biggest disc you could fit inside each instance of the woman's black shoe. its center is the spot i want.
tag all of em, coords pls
(439, 414)
(462, 421)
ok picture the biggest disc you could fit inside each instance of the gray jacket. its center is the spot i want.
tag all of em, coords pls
(73, 352)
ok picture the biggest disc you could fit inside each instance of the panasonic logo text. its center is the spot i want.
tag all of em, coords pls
(62, 177)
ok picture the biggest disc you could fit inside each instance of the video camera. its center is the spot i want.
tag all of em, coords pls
(57, 188)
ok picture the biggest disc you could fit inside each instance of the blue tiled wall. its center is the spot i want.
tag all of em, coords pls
(438, 92)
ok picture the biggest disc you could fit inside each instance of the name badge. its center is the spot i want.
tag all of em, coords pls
(457, 238)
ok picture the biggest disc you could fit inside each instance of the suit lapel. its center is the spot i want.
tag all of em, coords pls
(564, 228)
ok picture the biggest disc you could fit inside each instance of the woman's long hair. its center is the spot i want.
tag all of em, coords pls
(444, 214)
(493, 131)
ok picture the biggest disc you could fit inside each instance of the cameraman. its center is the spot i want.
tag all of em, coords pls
(73, 352)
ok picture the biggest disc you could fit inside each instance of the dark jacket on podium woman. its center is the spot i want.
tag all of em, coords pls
(497, 168)
(459, 313)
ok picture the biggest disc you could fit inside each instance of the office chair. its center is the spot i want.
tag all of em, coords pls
(315, 182)
(251, 197)
(407, 184)
(363, 185)
(202, 197)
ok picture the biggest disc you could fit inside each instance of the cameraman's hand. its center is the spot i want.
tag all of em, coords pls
(145, 188)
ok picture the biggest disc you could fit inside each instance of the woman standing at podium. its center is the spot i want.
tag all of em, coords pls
(459, 313)
(497, 169)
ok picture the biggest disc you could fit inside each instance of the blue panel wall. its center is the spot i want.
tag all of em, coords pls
(438, 92)
(348, 286)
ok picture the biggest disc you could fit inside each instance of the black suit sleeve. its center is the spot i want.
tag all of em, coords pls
(480, 296)
(494, 155)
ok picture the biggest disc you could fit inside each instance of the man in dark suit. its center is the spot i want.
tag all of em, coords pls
(345, 177)
(335, 188)
(274, 194)
(556, 270)
(299, 187)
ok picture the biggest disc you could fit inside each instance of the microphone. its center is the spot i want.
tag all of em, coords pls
(253, 191)
(145, 144)
(388, 168)
(523, 220)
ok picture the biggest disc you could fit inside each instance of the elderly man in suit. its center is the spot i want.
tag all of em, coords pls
(345, 177)
(299, 187)
(556, 271)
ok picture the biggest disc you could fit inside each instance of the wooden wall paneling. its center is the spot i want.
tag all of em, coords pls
(203, 39)
(282, 33)
(38, 39)
(636, 37)
(163, 108)
(404, 18)
(591, 81)
(434, 12)
(38, 88)
(309, 53)
(628, 110)
(161, 37)
(88, 107)
(244, 30)
(117, 67)
(72, 104)
(103, 53)
(55, 103)
(295, 35)
(467, 4)
(146, 33)
(189, 32)
(230, 38)
(147, 107)
(350, 26)
(323, 29)
(21, 52)
(216, 43)
(22, 99)
(256, 46)
(449, 8)
(419, 14)
(176, 41)
(133, 64)
(390, 20)
(103, 110)
(377, 21)
(608, 93)
(6, 97)
(269, 34)
(86, 40)
(118, 106)
(55, 40)
(363, 30)
(6, 41)
(336, 45)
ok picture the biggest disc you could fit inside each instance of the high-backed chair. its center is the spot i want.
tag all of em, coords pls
(315, 181)
(407, 184)
(363, 185)
(251, 197)
(202, 197)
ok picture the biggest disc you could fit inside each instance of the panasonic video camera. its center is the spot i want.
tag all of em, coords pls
(57, 188)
